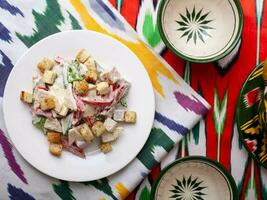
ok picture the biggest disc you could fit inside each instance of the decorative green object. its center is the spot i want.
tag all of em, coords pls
(194, 177)
(247, 116)
(194, 25)
(200, 31)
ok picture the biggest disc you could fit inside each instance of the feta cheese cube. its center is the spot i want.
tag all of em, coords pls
(53, 125)
(130, 117)
(86, 132)
(105, 147)
(118, 115)
(82, 55)
(26, 97)
(45, 64)
(103, 88)
(49, 77)
(98, 128)
(110, 124)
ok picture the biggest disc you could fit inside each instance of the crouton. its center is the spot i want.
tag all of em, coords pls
(45, 64)
(91, 76)
(90, 64)
(49, 77)
(55, 149)
(130, 117)
(86, 132)
(102, 88)
(110, 124)
(81, 87)
(105, 147)
(118, 115)
(98, 128)
(82, 55)
(26, 97)
(47, 103)
(53, 137)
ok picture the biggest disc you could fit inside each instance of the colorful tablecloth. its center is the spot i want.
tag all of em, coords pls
(219, 83)
(178, 107)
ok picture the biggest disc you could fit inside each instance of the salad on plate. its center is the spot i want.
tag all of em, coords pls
(75, 102)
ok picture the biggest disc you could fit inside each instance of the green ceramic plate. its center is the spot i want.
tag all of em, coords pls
(247, 116)
(194, 177)
(200, 31)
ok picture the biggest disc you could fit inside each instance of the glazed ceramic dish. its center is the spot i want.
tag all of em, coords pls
(248, 119)
(192, 178)
(32, 144)
(200, 31)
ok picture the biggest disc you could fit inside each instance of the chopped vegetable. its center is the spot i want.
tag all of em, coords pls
(39, 122)
(74, 73)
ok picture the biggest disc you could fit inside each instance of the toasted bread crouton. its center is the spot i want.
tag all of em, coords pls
(82, 55)
(47, 103)
(110, 124)
(26, 97)
(45, 64)
(130, 117)
(90, 64)
(98, 128)
(91, 76)
(105, 147)
(102, 88)
(53, 137)
(81, 87)
(55, 149)
(49, 77)
(86, 132)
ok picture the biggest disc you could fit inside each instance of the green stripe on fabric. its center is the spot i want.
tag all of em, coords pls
(145, 194)
(103, 185)
(157, 138)
(74, 23)
(63, 191)
(151, 31)
(46, 23)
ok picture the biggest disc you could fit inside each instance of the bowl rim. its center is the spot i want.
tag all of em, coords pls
(221, 169)
(193, 59)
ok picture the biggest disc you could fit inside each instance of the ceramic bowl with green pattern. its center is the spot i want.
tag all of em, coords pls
(200, 31)
(194, 177)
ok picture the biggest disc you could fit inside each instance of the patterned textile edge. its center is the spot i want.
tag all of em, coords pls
(178, 107)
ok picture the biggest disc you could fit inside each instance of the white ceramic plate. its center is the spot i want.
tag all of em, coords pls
(33, 145)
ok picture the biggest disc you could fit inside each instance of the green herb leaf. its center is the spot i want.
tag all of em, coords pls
(39, 122)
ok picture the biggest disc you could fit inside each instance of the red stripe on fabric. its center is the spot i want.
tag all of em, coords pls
(131, 196)
(155, 172)
(130, 10)
(263, 39)
(246, 180)
(174, 61)
(113, 2)
(258, 181)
